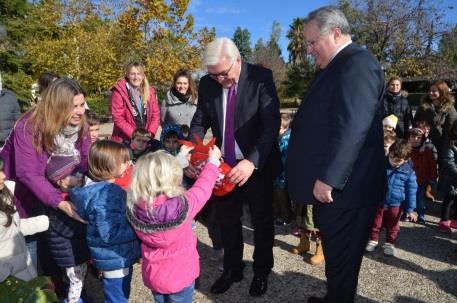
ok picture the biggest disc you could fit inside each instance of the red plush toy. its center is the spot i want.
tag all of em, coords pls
(199, 158)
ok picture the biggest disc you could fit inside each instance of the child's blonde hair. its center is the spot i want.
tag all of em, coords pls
(105, 156)
(155, 174)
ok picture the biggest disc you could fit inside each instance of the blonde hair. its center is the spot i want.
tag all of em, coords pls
(54, 112)
(145, 84)
(155, 174)
(105, 157)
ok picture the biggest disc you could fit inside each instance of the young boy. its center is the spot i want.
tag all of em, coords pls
(170, 142)
(425, 168)
(389, 139)
(142, 143)
(94, 125)
(401, 186)
(281, 202)
(425, 127)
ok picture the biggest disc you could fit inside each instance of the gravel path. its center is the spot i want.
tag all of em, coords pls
(424, 270)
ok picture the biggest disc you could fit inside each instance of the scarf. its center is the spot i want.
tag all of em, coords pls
(138, 108)
(181, 97)
(65, 141)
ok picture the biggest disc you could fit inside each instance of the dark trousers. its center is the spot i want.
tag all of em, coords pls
(344, 236)
(446, 208)
(390, 219)
(282, 207)
(258, 193)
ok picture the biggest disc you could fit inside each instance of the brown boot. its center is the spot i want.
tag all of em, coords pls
(303, 246)
(318, 257)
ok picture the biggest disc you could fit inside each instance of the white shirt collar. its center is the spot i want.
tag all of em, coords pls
(340, 49)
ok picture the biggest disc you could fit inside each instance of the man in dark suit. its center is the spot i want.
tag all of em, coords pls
(238, 101)
(335, 156)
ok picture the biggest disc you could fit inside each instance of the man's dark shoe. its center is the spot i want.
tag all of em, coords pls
(317, 300)
(226, 280)
(259, 286)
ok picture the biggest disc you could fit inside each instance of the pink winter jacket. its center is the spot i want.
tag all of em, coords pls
(169, 247)
(121, 110)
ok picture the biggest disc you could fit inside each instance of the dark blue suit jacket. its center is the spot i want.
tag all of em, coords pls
(337, 134)
(257, 118)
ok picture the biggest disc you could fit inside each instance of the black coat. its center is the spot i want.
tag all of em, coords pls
(337, 134)
(9, 113)
(257, 118)
(447, 183)
(398, 105)
(66, 240)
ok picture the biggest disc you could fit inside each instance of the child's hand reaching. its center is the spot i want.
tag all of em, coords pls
(429, 193)
(412, 217)
(185, 151)
(215, 152)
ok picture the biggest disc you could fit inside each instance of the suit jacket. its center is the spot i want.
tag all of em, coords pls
(257, 118)
(337, 134)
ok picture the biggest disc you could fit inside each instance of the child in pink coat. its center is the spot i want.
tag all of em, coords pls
(161, 212)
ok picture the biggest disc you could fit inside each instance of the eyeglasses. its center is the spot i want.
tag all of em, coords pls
(222, 75)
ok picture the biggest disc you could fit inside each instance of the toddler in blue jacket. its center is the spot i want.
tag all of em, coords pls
(113, 244)
(401, 187)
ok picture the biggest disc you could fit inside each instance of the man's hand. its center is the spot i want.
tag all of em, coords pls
(241, 172)
(70, 210)
(322, 192)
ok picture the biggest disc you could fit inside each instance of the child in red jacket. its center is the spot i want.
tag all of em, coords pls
(424, 165)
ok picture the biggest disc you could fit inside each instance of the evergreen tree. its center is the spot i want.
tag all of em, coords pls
(242, 39)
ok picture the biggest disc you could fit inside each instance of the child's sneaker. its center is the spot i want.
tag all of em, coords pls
(445, 226)
(453, 224)
(297, 231)
(389, 249)
(371, 245)
(420, 220)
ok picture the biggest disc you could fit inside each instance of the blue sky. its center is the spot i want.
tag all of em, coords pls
(257, 15)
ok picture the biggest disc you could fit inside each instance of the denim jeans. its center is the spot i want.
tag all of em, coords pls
(117, 290)
(32, 248)
(183, 296)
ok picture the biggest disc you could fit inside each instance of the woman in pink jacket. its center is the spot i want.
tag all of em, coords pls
(162, 213)
(134, 104)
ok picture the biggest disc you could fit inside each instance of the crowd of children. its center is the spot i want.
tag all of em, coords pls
(125, 208)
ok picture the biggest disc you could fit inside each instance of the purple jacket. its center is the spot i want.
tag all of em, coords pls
(25, 166)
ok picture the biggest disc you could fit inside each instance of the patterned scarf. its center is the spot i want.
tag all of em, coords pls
(138, 108)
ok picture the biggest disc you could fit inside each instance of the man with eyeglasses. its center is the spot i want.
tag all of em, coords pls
(238, 101)
(336, 155)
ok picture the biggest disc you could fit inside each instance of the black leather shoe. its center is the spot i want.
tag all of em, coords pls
(226, 280)
(317, 300)
(259, 286)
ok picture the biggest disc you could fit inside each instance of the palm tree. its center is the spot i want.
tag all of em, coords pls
(297, 43)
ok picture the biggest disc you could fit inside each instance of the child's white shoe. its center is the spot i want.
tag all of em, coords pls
(389, 249)
(371, 245)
